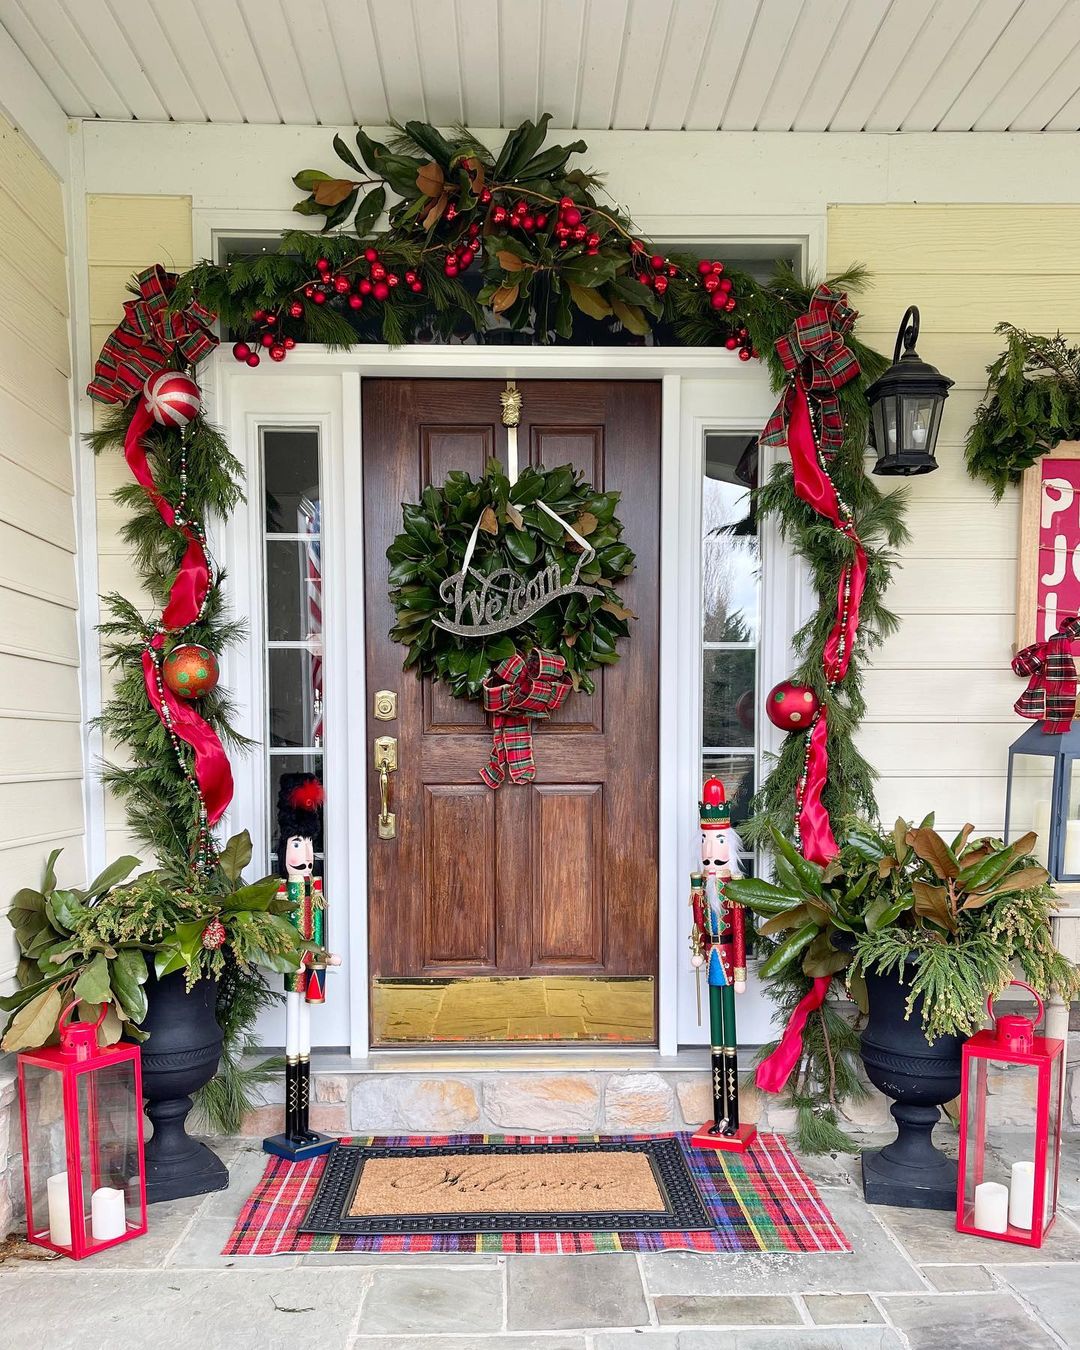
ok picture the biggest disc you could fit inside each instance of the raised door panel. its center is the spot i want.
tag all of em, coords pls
(459, 877)
(568, 854)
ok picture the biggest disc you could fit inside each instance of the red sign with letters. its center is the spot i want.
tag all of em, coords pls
(1049, 563)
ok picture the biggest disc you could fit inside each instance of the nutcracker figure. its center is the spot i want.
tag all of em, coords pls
(718, 944)
(300, 799)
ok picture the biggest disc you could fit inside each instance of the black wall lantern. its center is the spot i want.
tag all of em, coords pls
(905, 407)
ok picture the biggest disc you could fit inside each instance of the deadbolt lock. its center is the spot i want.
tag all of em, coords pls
(385, 705)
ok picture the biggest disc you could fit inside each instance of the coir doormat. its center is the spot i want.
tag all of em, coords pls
(760, 1201)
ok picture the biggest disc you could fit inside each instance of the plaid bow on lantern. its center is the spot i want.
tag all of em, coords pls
(148, 337)
(814, 353)
(518, 692)
(1051, 691)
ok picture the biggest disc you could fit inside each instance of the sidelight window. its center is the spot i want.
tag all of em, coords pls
(293, 610)
(731, 596)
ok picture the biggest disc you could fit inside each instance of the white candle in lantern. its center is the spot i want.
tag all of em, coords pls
(992, 1207)
(1072, 848)
(1022, 1194)
(59, 1210)
(107, 1218)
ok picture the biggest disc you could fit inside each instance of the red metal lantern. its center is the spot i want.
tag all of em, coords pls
(1012, 1089)
(82, 1142)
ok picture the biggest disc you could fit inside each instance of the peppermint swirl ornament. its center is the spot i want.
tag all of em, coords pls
(172, 398)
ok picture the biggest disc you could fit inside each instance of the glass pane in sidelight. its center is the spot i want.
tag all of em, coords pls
(296, 704)
(730, 562)
(736, 772)
(294, 589)
(290, 463)
(279, 770)
(728, 698)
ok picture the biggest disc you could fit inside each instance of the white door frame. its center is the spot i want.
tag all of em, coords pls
(703, 389)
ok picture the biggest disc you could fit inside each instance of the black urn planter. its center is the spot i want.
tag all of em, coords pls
(920, 1076)
(180, 1054)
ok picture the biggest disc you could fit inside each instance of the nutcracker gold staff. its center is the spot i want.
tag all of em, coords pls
(300, 799)
(718, 942)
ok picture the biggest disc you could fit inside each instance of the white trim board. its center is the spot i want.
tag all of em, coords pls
(701, 391)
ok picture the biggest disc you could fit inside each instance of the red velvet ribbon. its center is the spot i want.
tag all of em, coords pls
(792, 424)
(212, 770)
(773, 1072)
(192, 581)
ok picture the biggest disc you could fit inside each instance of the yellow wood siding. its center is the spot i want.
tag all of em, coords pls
(41, 756)
(940, 693)
(124, 235)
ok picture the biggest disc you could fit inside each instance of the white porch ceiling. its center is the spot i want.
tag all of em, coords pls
(736, 65)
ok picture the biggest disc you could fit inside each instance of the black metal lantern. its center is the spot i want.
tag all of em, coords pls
(1042, 793)
(905, 406)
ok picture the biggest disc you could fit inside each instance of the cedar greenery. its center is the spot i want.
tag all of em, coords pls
(1032, 402)
(514, 533)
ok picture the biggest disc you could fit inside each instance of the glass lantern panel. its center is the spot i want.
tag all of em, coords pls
(1053, 1140)
(885, 418)
(109, 1151)
(1031, 793)
(46, 1152)
(918, 415)
(1000, 1148)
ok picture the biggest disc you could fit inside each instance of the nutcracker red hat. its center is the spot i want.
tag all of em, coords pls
(713, 808)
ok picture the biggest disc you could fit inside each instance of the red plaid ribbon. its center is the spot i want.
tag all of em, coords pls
(815, 354)
(148, 337)
(517, 693)
(1051, 691)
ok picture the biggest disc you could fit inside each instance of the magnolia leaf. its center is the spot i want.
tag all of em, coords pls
(34, 1022)
(886, 865)
(514, 516)
(930, 846)
(822, 958)
(475, 169)
(791, 918)
(788, 950)
(619, 611)
(959, 843)
(630, 316)
(503, 298)
(430, 179)
(307, 179)
(932, 902)
(236, 855)
(489, 521)
(899, 834)
(333, 191)
(434, 213)
(589, 300)
(858, 991)
(509, 262)
(27, 915)
(586, 523)
(129, 974)
(92, 986)
(1026, 879)
(64, 911)
(257, 896)
(116, 872)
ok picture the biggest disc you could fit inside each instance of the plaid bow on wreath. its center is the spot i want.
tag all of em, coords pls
(1051, 691)
(814, 353)
(147, 338)
(517, 693)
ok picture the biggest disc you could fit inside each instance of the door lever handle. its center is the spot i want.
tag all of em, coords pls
(386, 764)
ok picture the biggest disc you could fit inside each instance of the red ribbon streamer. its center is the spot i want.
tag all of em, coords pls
(213, 773)
(192, 581)
(515, 694)
(773, 1072)
(820, 364)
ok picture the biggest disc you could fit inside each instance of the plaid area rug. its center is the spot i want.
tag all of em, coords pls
(760, 1201)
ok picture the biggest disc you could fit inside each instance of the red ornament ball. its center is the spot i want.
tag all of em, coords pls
(380, 290)
(791, 707)
(277, 352)
(253, 360)
(214, 935)
(241, 351)
(190, 670)
(172, 399)
(296, 310)
(356, 302)
(744, 355)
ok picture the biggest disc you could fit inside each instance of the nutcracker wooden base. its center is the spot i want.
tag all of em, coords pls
(738, 1142)
(281, 1146)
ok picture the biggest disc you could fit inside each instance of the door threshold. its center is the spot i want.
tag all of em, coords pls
(567, 1059)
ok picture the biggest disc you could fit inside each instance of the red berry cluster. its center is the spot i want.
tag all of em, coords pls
(267, 334)
(571, 228)
(658, 273)
(718, 286)
(461, 257)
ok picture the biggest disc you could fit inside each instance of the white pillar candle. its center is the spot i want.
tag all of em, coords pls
(1022, 1194)
(59, 1210)
(1072, 848)
(107, 1217)
(992, 1207)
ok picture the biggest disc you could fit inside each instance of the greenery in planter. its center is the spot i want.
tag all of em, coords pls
(965, 910)
(95, 945)
(1032, 402)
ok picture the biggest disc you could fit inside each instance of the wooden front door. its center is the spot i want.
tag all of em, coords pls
(530, 912)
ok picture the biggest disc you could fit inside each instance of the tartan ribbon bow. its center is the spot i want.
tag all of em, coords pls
(815, 354)
(517, 693)
(1051, 671)
(148, 337)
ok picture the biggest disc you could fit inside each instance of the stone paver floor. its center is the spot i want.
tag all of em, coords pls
(911, 1281)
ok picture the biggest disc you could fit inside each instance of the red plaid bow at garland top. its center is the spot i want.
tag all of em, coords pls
(1051, 691)
(815, 354)
(149, 337)
(517, 693)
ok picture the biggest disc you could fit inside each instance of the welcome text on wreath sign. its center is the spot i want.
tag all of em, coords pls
(504, 599)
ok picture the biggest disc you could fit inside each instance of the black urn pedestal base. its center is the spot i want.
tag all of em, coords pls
(910, 1172)
(177, 1165)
